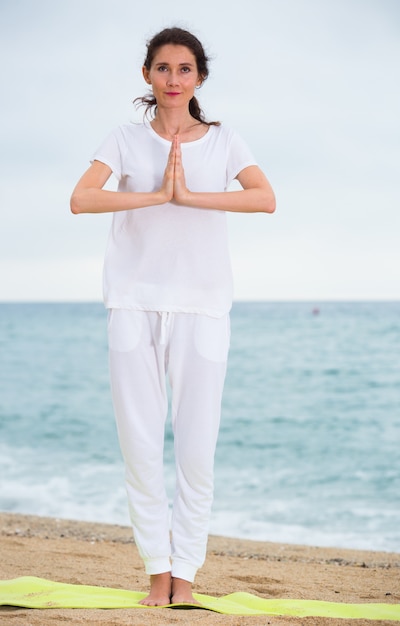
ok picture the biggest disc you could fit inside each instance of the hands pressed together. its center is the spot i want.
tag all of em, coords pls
(89, 196)
(174, 184)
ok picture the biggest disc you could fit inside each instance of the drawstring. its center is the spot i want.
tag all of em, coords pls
(165, 323)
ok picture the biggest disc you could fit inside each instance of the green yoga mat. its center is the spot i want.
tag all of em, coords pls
(38, 593)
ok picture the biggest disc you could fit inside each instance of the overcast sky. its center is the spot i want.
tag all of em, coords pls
(312, 85)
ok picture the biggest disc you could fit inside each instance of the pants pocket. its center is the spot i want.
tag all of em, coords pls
(124, 329)
(212, 337)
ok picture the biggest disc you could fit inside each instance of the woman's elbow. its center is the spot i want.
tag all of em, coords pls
(269, 204)
(75, 204)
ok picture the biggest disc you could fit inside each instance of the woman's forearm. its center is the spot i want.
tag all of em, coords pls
(256, 195)
(93, 200)
(243, 201)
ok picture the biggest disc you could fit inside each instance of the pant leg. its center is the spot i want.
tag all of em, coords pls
(197, 367)
(137, 371)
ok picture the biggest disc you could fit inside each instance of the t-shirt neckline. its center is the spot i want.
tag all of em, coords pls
(184, 143)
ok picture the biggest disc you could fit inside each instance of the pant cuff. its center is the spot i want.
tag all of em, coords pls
(184, 570)
(157, 566)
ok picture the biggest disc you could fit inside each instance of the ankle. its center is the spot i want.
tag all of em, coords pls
(161, 580)
(181, 590)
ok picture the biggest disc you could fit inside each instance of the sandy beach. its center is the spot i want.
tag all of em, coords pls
(105, 555)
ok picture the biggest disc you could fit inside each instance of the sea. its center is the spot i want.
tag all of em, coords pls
(309, 445)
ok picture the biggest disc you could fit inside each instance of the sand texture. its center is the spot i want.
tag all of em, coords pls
(105, 555)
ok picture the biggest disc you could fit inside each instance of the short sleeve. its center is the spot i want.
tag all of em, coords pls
(111, 152)
(239, 157)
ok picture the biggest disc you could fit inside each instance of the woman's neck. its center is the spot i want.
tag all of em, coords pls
(167, 124)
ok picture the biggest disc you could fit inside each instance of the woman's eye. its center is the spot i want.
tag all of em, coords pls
(162, 68)
(185, 69)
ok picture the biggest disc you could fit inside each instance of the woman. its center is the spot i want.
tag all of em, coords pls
(168, 288)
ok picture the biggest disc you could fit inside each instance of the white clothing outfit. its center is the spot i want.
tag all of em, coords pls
(168, 285)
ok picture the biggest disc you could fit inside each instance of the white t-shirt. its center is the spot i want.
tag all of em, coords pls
(170, 257)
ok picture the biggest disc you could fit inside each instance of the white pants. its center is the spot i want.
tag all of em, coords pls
(193, 349)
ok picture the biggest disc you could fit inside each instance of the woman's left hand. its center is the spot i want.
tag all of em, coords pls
(256, 195)
(181, 192)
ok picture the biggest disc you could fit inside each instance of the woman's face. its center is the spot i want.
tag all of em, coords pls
(173, 76)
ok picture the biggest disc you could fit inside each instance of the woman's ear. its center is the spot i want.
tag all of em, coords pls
(146, 75)
(200, 81)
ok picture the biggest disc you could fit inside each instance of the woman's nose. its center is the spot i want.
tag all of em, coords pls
(172, 78)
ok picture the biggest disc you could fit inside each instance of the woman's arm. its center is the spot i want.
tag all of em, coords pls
(90, 197)
(256, 196)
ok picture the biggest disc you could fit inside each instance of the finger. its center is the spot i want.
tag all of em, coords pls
(171, 156)
(170, 166)
(178, 153)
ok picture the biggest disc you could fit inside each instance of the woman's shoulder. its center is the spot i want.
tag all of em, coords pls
(224, 132)
(131, 128)
(126, 133)
(126, 129)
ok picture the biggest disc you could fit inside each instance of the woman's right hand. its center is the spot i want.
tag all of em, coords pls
(167, 187)
(90, 197)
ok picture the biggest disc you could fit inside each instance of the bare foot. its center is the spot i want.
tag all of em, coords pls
(182, 592)
(160, 590)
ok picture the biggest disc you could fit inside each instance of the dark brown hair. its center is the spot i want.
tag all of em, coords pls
(177, 37)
